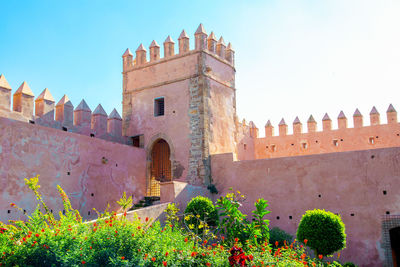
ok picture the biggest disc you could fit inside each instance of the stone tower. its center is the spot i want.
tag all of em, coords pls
(187, 99)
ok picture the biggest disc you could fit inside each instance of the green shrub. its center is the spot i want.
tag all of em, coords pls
(202, 210)
(278, 235)
(234, 225)
(349, 264)
(322, 231)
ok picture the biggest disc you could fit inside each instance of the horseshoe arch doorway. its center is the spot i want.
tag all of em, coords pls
(160, 167)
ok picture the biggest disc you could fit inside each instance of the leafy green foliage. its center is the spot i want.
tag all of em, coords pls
(323, 230)
(113, 240)
(202, 208)
(124, 202)
(234, 224)
(349, 264)
(171, 214)
(278, 235)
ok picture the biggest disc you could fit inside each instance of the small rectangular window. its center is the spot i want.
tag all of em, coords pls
(304, 145)
(138, 141)
(159, 107)
(372, 140)
(335, 142)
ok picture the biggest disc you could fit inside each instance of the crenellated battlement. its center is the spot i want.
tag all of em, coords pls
(203, 42)
(63, 116)
(311, 141)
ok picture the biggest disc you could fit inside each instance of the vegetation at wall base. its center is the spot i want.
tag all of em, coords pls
(278, 237)
(323, 230)
(113, 240)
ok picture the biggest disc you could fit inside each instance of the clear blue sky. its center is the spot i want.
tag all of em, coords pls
(296, 57)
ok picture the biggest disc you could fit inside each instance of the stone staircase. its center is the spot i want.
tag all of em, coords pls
(146, 202)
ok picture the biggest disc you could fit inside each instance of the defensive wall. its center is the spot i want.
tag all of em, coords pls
(360, 137)
(43, 111)
(81, 151)
(361, 186)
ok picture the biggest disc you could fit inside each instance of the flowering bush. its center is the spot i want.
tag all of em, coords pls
(113, 240)
(234, 223)
(202, 209)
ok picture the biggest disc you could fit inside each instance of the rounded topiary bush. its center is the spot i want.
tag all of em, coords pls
(202, 209)
(323, 230)
(278, 235)
(349, 264)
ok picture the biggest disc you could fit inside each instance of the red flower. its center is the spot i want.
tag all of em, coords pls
(37, 235)
(320, 256)
(303, 256)
(139, 227)
(305, 241)
(223, 238)
(125, 214)
(147, 219)
(90, 247)
(236, 239)
(208, 264)
(133, 235)
(205, 242)
(166, 254)
(186, 239)
(122, 258)
(153, 259)
(276, 243)
(83, 262)
(42, 230)
(194, 253)
(94, 229)
(164, 263)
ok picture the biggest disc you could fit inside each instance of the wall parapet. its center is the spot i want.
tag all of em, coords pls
(63, 116)
(202, 43)
(343, 138)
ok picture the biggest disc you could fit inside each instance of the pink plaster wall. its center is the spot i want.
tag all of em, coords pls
(173, 126)
(222, 105)
(385, 135)
(345, 183)
(348, 139)
(27, 150)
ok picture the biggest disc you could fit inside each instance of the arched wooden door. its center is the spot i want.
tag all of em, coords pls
(160, 168)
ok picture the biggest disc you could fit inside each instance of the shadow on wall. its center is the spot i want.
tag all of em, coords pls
(181, 193)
